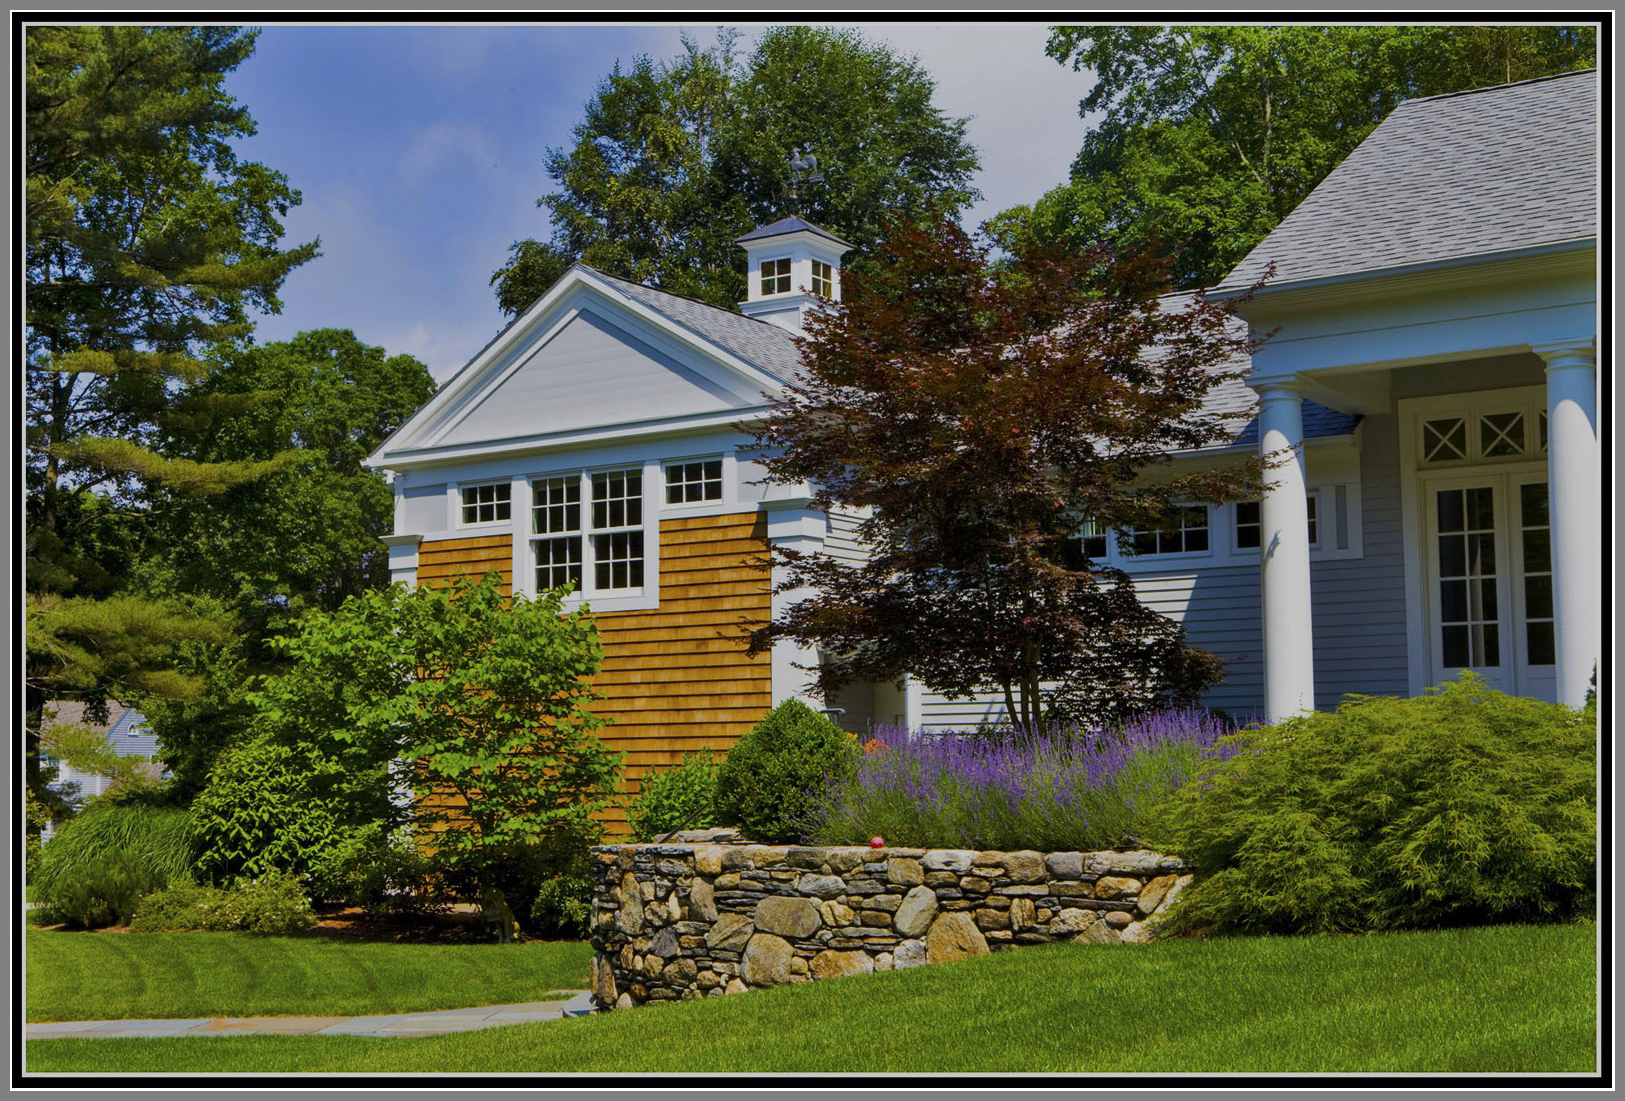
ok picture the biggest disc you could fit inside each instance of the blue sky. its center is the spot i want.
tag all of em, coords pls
(419, 151)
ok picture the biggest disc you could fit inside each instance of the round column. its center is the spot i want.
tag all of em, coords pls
(1572, 471)
(1289, 659)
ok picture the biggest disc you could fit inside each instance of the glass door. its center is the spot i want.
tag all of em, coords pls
(1489, 581)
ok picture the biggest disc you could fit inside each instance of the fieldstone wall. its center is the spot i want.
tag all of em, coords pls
(701, 919)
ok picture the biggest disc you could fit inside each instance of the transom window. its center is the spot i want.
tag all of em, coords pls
(1188, 536)
(488, 503)
(695, 481)
(776, 276)
(1482, 436)
(608, 549)
(1249, 523)
(823, 281)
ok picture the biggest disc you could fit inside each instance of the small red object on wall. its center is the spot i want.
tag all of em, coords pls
(877, 842)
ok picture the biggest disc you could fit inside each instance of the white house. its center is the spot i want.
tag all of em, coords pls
(1433, 374)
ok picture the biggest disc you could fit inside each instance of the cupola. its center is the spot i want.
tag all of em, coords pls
(790, 261)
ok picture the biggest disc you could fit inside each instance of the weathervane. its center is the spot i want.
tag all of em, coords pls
(802, 170)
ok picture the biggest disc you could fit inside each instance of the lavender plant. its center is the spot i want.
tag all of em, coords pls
(1061, 789)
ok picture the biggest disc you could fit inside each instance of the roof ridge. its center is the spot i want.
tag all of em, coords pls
(1494, 87)
(684, 297)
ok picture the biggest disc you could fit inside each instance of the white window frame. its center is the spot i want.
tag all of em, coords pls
(667, 466)
(1318, 516)
(826, 277)
(1208, 511)
(641, 597)
(1486, 403)
(454, 497)
(785, 275)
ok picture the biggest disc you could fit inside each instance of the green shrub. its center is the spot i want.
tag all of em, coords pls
(1459, 807)
(386, 874)
(273, 903)
(106, 858)
(675, 798)
(775, 781)
(269, 806)
(547, 883)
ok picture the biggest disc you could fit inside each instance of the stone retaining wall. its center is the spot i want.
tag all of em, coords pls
(691, 920)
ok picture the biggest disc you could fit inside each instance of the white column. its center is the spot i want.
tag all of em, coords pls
(1572, 472)
(1289, 661)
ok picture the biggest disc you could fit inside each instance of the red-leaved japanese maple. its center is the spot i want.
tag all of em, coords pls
(980, 409)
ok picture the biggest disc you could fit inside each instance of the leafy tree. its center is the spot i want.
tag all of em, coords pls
(674, 160)
(981, 413)
(479, 697)
(306, 535)
(1211, 135)
(146, 239)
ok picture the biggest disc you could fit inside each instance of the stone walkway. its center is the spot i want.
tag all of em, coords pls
(436, 1023)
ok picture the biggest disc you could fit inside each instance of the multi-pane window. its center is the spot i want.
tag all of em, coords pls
(1469, 621)
(823, 281)
(1484, 435)
(617, 524)
(1249, 523)
(1535, 521)
(776, 276)
(556, 516)
(611, 529)
(1187, 535)
(488, 503)
(695, 481)
(1093, 534)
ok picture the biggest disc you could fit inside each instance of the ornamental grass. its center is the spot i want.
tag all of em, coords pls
(1057, 790)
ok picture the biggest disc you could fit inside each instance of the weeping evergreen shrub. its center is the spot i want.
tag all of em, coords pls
(105, 859)
(1463, 806)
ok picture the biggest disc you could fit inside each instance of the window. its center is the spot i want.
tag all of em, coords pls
(1484, 435)
(487, 504)
(823, 279)
(1093, 534)
(613, 534)
(696, 481)
(556, 512)
(1189, 536)
(1249, 524)
(776, 276)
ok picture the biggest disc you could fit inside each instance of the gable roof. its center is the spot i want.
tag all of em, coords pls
(1446, 177)
(758, 342)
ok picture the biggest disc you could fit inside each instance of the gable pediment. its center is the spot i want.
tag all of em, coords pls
(585, 357)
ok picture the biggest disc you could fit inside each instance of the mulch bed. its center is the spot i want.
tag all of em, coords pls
(460, 926)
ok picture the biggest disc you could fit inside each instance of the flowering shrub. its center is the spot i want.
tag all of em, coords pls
(1061, 790)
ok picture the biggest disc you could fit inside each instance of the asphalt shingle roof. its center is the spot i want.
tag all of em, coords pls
(1508, 167)
(757, 342)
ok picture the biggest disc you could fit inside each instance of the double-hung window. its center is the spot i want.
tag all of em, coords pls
(595, 544)
(1187, 534)
(1249, 523)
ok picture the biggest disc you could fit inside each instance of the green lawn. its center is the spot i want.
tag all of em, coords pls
(102, 976)
(1512, 998)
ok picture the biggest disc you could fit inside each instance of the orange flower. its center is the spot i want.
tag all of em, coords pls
(873, 746)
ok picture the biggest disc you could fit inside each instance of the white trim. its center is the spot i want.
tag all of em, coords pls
(534, 328)
(1409, 413)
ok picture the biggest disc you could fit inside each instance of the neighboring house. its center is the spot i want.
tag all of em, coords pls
(1435, 295)
(126, 733)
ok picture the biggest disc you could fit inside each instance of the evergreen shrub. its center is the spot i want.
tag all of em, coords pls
(1462, 806)
(273, 903)
(775, 781)
(682, 797)
(105, 859)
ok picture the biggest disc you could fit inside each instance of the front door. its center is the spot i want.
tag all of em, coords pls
(1488, 559)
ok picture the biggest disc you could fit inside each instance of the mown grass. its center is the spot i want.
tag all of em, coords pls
(108, 976)
(1511, 998)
